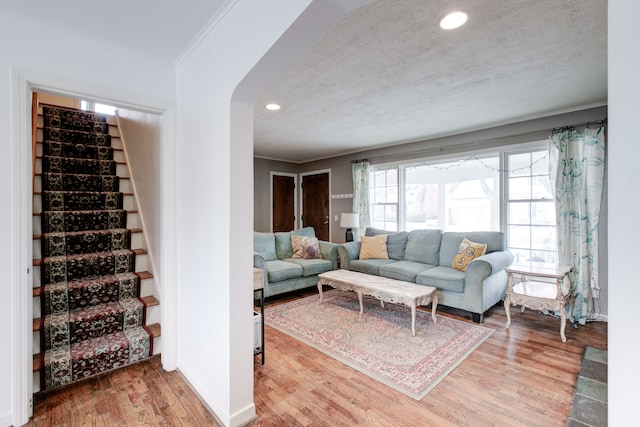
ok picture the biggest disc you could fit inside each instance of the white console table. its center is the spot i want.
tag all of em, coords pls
(552, 294)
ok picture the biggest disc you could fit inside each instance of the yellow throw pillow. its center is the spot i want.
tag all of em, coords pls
(467, 252)
(305, 247)
(374, 247)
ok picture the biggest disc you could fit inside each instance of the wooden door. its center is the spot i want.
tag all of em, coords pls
(315, 204)
(283, 209)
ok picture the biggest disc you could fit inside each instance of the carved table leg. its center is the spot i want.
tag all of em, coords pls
(320, 291)
(360, 300)
(507, 307)
(563, 323)
(413, 318)
(434, 305)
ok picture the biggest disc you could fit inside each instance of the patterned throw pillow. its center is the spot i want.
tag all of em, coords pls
(305, 247)
(374, 247)
(467, 252)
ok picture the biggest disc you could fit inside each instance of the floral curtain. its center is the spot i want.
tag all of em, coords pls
(360, 172)
(576, 170)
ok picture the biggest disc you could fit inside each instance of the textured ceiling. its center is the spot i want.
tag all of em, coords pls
(385, 74)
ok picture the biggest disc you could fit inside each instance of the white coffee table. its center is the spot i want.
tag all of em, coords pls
(383, 289)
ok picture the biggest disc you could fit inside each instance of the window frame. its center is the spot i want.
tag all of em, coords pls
(502, 153)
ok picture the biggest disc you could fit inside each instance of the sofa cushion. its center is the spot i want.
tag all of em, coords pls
(396, 241)
(373, 247)
(423, 246)
(283, 241)
(278, 270)
(311, 267)
(305, 247)
(467, 252)
(404, 270)
(369, 266)
(265, 245)
(444, 278)
(495, 241)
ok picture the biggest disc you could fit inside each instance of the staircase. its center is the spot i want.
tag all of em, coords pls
(93, 296)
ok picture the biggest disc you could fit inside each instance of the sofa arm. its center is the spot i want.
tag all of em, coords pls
(348, 252)
(329, 251)
(489, 264)
(260, 262)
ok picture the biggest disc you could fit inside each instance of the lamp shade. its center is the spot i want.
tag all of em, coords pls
(349, 220)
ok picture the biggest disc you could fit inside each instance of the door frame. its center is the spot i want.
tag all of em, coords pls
(316, 172)
(296, 221)
(23, 83)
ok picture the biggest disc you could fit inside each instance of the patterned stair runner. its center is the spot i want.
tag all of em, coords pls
(93, 319)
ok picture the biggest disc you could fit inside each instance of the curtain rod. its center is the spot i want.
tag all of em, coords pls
(577, 125)
(359, 161)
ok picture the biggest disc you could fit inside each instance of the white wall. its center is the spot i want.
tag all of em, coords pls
(47, 58)
(215, 189)
(624, 207)
(142, 134)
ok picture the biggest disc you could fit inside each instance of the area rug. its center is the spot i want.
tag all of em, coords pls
(379, 343)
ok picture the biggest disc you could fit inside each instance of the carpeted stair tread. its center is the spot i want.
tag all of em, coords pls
(80, 137)
(63, 365)
(79, 325)
(79, 182)
(72, 267)
(56, 222)
(78, 242)
(66, 296)
(81, 201)
(78, 166)
(77, 151)
(154, 330)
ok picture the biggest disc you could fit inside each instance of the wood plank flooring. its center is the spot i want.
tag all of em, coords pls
(524, 376)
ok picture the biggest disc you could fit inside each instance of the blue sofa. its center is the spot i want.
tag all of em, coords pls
(282, 273)
(425, 257)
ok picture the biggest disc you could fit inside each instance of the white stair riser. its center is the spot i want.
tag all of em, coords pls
(136, 241)
(141, 263)
(132, 220)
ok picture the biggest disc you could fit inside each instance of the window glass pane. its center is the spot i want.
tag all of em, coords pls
(392, 177)
(543, 238)
(520, 255)
(543, 213)
(378, 212)
(392, 194)
(540, 163)
(520, 188)
(519, 164)
(541, 187)
(543, 256)
(380, 195)
(519, 236)
(460, 195)
(519, 213)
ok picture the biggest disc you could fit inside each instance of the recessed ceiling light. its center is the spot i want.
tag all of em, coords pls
(453, 20)
(272, 107)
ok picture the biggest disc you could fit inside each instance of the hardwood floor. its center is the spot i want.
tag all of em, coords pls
(524, 376)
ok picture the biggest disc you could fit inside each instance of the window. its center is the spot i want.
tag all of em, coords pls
(531, 219)
(98, 108)
(383, 198)
(465, 194)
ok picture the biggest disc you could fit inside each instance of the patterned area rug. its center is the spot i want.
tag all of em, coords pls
(380, 343)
